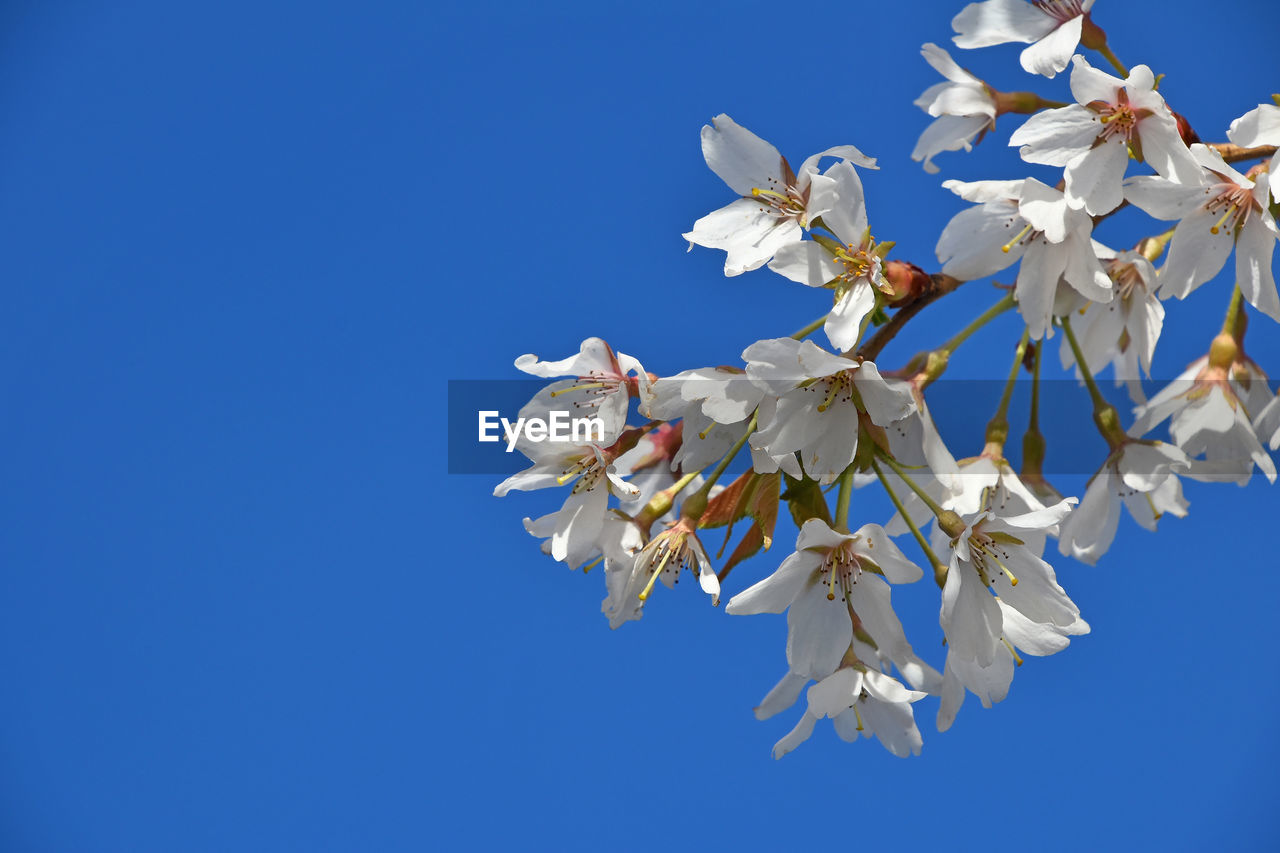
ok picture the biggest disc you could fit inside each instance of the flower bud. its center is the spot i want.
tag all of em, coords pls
(1223, 351)
(907, 282)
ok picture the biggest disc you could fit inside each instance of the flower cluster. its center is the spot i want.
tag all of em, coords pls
(815, 417)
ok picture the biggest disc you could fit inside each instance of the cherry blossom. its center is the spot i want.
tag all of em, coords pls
(1094, 137)
(1210, 411)
(1221, 210)
(963, 108)
(852, 268)
(604, 385)
(1052, 28)
(1141, 475)
(1260, 126)
(821, 399)
(832, 591)
(1031, 222)
(777, 204)
(1122, 332)
(859, 701)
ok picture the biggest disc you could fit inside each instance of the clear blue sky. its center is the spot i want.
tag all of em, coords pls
(243, 607)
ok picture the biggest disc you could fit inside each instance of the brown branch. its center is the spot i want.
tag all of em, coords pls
(940, 286)
(1234, 153)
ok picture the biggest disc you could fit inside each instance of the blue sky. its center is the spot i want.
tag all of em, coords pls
(244, 606)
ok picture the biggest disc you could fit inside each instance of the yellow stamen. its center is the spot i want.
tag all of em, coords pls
(589, 566)
(858, 717)
(569, 474)
(831, 396)
(757, 192)
(708, 430)
(648, 588)
(1016, 660)
(1218, 226)
(586, 387)
(1016, 240)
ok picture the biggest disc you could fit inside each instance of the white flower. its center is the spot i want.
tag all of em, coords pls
(713, 404)
(1030, 221)
(1142, 475)
(832, 591)
(1093, 138)
(1051, 27)
(991, 683)
(963, 108)
(858, 701)
(854, 269)
(1220, 210)
(987, 480)
(1210, 417)
(677, 547)
(995, 569)
(777, 204)
(821, 399)
(603, 388)
(1260, 126)
(576, 526)
(1124, 331)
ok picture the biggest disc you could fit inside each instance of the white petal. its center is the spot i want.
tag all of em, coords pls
(880, 548)
(749, 233)
(1052, 53)
(1092, 84)
(818, 633)
(845, 320)
(1054, 137)
(1254, 248)
(742, 160)
(775, 593)
(1196, 254)
(1087, 533)
(886, 401)
(806, 262)
(783, 695)
(946, 66)
(1163, 198)
(1259, 126)
(998, 22)
(1094, 179)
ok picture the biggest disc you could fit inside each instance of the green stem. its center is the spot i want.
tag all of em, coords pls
(1153, 247)
(981, 320)
(1099, 402)
(1105, 416)
(728, 457)
(939, 568)
(1233, 324)
(920, 493)
(810, 329)
(842, 500)
(1033, 422)
(1002, 412)
(1110, 56)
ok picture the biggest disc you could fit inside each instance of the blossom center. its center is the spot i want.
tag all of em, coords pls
(1060, 10)
(668, 552)
(1026, 235)
(783, 200)
(587, 469)
(1236, 203)
(840, 568)
(989, 556)
(1126, 278)
(838, 386)
(859, 262)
